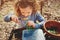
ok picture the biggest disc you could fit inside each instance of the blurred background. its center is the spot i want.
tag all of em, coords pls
(50, 9)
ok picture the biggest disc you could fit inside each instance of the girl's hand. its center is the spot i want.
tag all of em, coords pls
(31, 24)
(14, 18)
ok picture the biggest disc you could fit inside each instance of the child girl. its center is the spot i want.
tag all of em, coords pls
(26, 13)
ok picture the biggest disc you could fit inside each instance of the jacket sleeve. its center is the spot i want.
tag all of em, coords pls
(41, 20)
(7, 18)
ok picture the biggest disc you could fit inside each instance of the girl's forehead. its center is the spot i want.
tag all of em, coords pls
(27, 8)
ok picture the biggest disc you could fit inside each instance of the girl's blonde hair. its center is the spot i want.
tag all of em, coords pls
(24, 4)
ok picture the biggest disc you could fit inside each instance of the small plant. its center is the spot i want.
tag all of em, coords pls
(53, 30)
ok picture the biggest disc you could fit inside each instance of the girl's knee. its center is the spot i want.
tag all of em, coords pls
(39, 30)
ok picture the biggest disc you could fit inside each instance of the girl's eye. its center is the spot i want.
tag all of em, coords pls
(28, 12)
(22, 12)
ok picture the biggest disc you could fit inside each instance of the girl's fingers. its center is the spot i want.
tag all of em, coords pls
(17, 20)
(31, 24)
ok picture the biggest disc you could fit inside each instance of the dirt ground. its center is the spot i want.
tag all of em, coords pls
(50, 11)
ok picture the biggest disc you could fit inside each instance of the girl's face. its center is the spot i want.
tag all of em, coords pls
(26, 11)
